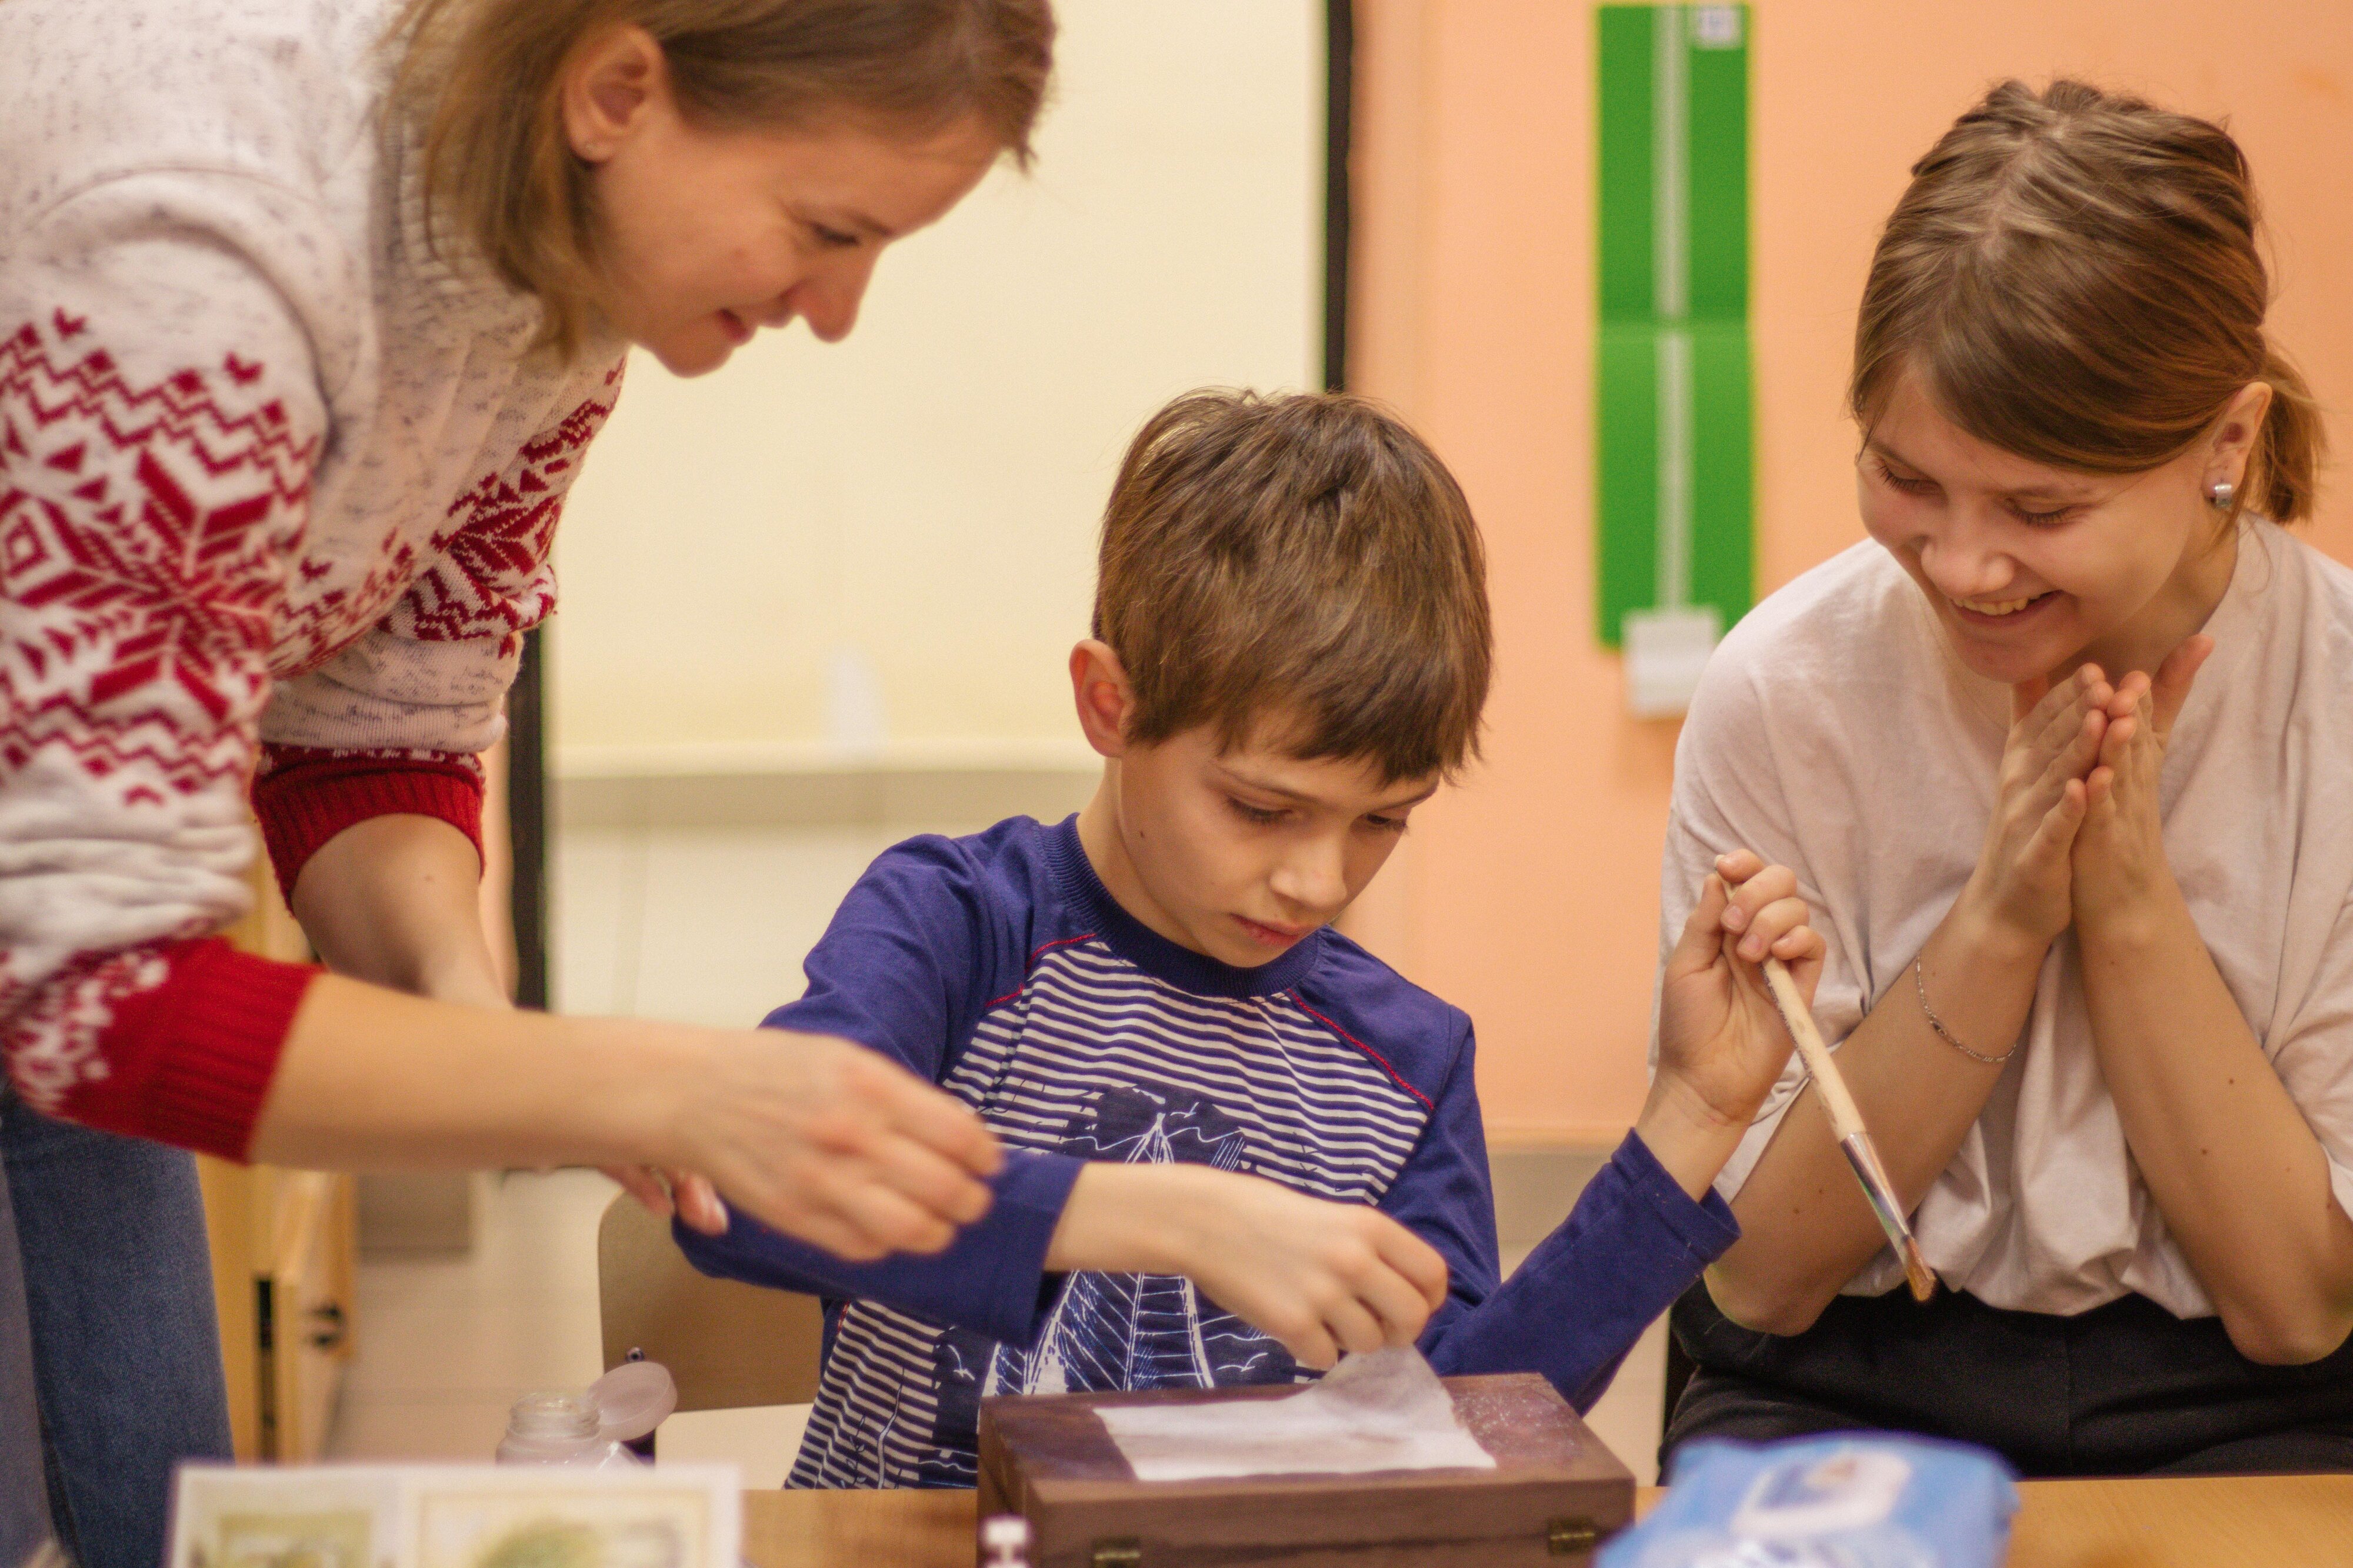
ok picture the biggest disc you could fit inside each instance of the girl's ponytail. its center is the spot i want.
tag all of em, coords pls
(2281, 474)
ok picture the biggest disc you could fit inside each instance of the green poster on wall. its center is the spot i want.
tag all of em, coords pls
(1672, 463)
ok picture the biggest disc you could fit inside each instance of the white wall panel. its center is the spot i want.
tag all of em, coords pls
(888, 543)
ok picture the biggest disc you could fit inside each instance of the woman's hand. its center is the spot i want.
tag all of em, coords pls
(1320, 1277)
(2024, 883)
(1722, 1044)
(833, 1143)
(2118, 861)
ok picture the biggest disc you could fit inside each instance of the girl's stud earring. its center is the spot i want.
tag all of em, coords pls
(2219, 497)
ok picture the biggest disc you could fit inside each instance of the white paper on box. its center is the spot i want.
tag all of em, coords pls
(1383, 1411)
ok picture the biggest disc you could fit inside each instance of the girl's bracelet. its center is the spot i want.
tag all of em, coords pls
(1920, 983)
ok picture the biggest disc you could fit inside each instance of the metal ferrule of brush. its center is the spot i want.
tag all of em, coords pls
(1865, 1157)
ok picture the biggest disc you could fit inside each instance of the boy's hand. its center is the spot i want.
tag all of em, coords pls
(1722, 1043)
(667, 1193)
(1320, 1277)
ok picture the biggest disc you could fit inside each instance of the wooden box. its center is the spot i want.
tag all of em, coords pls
(1555, 1495)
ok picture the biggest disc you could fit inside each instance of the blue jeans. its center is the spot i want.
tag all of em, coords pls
(126, 1345)
(24, 1500)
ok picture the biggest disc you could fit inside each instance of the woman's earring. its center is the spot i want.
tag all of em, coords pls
(2218, 496)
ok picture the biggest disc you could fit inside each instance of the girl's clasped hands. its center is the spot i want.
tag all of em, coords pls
(2076, 833)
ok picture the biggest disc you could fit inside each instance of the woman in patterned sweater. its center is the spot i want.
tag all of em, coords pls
(308, 310)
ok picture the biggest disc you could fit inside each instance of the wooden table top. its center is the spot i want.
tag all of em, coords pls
(2259, 1521)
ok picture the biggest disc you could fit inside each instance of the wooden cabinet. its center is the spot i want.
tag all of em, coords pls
(285, 1247)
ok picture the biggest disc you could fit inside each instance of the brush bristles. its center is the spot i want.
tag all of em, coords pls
(1916, 1272)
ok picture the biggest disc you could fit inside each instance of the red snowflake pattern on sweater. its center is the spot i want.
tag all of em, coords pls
(154, 581)
(489, 577)
(73, 1008)
(142, 529)
(315, 626)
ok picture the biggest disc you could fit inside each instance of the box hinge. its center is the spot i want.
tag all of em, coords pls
(1571, 1537)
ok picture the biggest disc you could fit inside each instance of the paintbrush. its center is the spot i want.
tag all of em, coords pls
(1846, 1124)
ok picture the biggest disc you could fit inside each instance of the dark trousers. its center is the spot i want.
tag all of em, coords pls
(2126, 1389)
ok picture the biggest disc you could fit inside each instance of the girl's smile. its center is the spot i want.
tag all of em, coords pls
(2032, 570)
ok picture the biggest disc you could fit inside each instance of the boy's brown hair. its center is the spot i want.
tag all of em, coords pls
(479, 80)
(1305, 561)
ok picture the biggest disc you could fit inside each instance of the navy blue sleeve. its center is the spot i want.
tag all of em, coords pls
(1443, 1194)
(991, 1279)
(913, 958)
(1634, 1242)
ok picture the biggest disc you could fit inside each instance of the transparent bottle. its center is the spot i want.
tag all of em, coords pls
(553, 1429)
(596, 1427)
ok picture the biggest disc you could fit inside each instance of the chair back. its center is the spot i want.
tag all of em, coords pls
(728, 1344)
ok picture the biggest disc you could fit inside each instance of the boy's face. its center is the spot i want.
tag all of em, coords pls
(1240, 851)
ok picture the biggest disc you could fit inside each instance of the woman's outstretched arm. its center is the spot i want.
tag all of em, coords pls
(820, 1137)
(392, 900)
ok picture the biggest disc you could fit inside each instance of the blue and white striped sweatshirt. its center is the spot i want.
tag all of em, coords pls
(999, 966)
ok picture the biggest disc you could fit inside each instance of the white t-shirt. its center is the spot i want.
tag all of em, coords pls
(1836, 732)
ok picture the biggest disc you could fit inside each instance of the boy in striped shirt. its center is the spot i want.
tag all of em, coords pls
(1237, 1144)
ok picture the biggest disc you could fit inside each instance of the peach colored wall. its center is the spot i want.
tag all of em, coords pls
(1530, 895)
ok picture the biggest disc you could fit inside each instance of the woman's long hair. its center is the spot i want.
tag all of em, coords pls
(481, 80)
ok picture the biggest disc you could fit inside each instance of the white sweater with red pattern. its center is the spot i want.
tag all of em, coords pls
(277, 488)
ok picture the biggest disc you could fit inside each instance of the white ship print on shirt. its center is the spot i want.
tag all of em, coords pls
(1099, 1059)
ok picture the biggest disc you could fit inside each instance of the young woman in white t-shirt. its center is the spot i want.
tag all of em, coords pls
(2063, 758)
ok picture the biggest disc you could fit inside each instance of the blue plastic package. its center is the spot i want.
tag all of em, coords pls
(1853, 1500)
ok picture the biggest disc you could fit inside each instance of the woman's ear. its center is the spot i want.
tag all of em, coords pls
(2235, 434)
(611, 89)
(1105, 701)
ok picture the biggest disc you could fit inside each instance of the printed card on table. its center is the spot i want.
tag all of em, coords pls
(457, 1516)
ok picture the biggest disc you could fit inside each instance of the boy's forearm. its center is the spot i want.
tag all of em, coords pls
(1691, 1142)
(1132, 1219)
(1634, 1242)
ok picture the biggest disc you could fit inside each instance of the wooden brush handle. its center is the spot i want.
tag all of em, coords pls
(1845, 1120)
(1846, 1124)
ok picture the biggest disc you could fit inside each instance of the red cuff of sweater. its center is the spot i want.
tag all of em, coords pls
(189, 1061)
(303, 798)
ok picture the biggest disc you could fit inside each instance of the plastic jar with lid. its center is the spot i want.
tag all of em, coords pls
(593, 1428)
(560, 1429)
